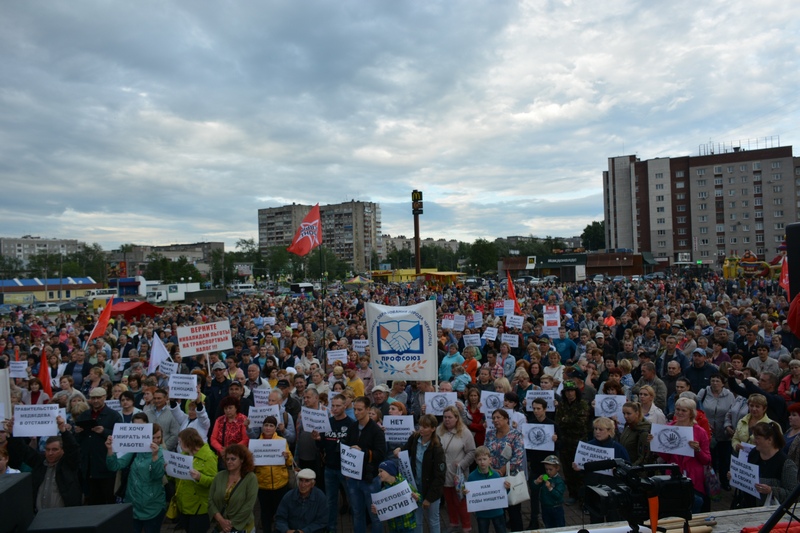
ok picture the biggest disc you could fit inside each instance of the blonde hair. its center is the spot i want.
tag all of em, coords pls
(503, 384)
(605, 423)
(441, 430)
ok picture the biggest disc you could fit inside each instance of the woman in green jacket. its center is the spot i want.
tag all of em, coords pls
(145, 490)
(191, 496)
(233, 492)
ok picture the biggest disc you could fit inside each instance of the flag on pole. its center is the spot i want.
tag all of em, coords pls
(158, 354)
(784, 279)
(44, 374)
(309, 234)
(513, 294)
(102, 322)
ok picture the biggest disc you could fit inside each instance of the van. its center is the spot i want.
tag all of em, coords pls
(105, 294)
(46, 307)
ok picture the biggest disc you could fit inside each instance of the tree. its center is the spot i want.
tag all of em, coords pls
(483, 254)
(594, 236)
(336, 268)
(10, 267)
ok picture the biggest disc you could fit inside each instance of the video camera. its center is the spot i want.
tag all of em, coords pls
(632, 488)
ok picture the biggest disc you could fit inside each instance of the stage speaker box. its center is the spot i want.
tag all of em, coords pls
(16, 502)
(88, 518)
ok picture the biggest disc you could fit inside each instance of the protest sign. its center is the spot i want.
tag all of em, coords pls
(552, 321)
(490, 334)
(435, 402)
(539, 436)
(294, 325)
(132, 438)
(510, 338)
(448, 320)
(269, 320)
(472, 339)
(337, 355)
(744, 476)
(352, 461)
(486, 494)
(395, 501)
(477, 320)
(177, 465)
(115, 405)
(508, 307)
(260, 396)
(406, 469)
(204, 338)
(459, 321)
(514, 321)
(672, 439)
(610, 406)
(315, 420)
(491, 401)
(258, 413)
(183, 387)
(548, 395)
(745, 451)
(588, 452)
(499, 308)
(268, 452)
(19, 369)
(35, 420)
(167, 368)
(398, 428)
(360, 345)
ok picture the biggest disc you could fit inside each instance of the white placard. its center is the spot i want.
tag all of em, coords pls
(548, 395)
(472, 339)
(114, 404)
(395, 501)
(490, 334)
(477, 319)
(268, 452)
(448, 321)
(315, 420)
(269, 320)
(63, 414)
(352, 462)
(360, 345)
(35, 420)
(3, 411)
(511, 339)
(132, 438)
(204, 338)
(337, 355)
(539, 437)
(672, 439)
(552, 321)
(508, 307)
(398, 428)
(177, 465)
(745, 451)
(609, 405)
(260, 396)
(491, 401)
(183, 386)
(744, 476)
(19, 369)
(167, 368)
(258, 413)
(459, 321)
(514, 321)
(435, 402)
(405, 467)
(486, 494)
(294, 325)
(588, 452)
(276, 335)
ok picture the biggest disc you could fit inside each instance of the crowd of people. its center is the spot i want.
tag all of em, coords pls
(716, 355)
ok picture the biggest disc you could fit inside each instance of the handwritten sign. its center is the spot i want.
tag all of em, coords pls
(672, 439)
(183, 386)
(491, 401)
(490, 334)
(315, 420)
(352, 462)
(511, 339)
(395, 501)
(398, 428)
(448, 320)
(610, 406)
(514, 321)
(539, 436)
(472, 339)
(132, 438)
(167, 368)
(508, 307)
(459, 321)
(547, 395)
(405, 468)
(744, 476)
(35, 420)
(588, 452)
(360, 345)
(204, 338)
(477, 320)
(177, 465)
(19, 369)
(337, 355)
(258, 413)
(486, 494)
(268, 452)
(260, 396)
(435, 402)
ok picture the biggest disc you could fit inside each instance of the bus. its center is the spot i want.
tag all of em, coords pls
(104, 294)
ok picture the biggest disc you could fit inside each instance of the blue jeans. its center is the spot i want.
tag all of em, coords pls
(360, 494)
(553, 516)
(498, 521)
(431, 515)
(333, 479)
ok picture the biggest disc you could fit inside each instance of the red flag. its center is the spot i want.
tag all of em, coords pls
(784, 279)
(44, 374)
(102, 322)
(513, 294)
(309, 234)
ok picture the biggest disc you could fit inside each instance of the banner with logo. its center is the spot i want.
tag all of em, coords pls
(402, 342)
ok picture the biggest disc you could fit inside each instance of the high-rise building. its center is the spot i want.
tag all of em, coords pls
(723, 202)
(351, 230)
(27, 246)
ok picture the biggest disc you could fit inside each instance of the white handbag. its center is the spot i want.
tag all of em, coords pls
(518, 492)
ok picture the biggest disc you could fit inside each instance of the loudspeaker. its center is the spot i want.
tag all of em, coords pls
(98, 518)
(16, 502)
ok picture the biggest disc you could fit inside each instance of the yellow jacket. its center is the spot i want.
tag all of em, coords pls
(274, 477)
(742, 433)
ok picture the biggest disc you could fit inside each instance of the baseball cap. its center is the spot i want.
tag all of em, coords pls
(306, 473)
(552, 460)
(219, 365)
(381, 387)
(599, 336)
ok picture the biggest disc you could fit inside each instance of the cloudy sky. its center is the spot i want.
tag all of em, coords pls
(156, 122)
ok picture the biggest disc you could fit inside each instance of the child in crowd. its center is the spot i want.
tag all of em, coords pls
(484, 471)
(552, 497)
(390, 477)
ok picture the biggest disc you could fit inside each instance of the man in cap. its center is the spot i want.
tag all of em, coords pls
(380, 395)
(92, 428)
(700, 372)
(304, 509)
(217, 390)
(291, 405)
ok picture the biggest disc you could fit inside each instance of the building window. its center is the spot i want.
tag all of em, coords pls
(776, 164)
(759, 214)
(777, 188)
(779, 225)
(730, 169)
(702, 194)
(731, 181)
(745, 215)
(720, 228)
(733, 228)
(661, 232)
(679, 174)
(682, 244)
(660, 198)
(733, 240)
(681, 231)
(701, 183)
(661, 221)
(743, 168)
(680, 184)
(733, 216)
(777, 177)
(760, 251)
(680, 196)
(732, 205)
(703, 229)
(718, 169)
(778, 214)
(759, 237)
(745, 240)
(701, 172)
(756, 165)
(744, 179)
(745, 227)
(745, 203)
(681, 220)
(731, 192)
(778, 238)
(777, 201)
(756, 177)
(718, 193)
(702, 207)
(703, 218)
(717, 181)
(662, 244)
(681, 208)
(704, 253)
(659, 186)
(659, 175)
(720, 239)
(758, 201)
(659, 209)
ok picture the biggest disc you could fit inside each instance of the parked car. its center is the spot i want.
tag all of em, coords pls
(6, 309)
(550, 279)
(599, 278)
(474, 283)
(619, 279)
(636, 278)
(46, 307)
(654, 276)
(529, 280)
(71, 306)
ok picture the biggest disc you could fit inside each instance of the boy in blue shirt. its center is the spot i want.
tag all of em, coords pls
(484, 471)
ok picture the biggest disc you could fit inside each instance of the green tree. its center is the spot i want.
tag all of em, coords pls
(336, 268)
(484, 254)
(44, 265)
(594, 236)
(11, 267)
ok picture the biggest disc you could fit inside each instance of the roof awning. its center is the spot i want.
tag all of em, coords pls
(648, 259)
